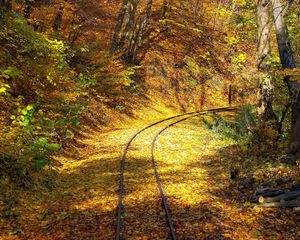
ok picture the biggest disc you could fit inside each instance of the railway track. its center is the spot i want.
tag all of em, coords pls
(120, 207)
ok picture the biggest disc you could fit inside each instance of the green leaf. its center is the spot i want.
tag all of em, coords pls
(43, 141)
(11, 72)
(41, 162)
(26, 122)
(53, 146)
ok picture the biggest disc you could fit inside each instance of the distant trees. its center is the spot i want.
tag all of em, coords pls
(28, 7)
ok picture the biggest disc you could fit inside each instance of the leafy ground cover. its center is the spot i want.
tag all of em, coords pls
(206, 204)
(194, 162)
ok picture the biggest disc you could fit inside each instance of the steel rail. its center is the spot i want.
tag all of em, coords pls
(122, 169)
(123, 161)
(154, 165)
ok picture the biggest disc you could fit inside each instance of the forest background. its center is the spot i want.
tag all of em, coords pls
(68, 64)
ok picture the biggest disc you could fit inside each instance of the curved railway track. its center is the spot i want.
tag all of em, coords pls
(120, 207)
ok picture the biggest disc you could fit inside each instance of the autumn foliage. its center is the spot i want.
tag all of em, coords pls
(78, 78)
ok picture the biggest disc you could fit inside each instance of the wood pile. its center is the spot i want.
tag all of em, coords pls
(277, 198)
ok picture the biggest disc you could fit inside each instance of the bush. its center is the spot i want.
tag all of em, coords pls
(41, 98)
(240, 129)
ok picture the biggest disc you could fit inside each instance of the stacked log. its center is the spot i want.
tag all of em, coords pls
(277, 198)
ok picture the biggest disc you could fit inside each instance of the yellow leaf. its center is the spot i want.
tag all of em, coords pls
(24, 111)
(29, 107)
(3, 90)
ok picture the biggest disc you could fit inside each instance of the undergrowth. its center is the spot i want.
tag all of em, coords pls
(239, 127)
(45, 88)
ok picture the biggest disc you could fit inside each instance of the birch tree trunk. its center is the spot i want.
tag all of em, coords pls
(129, 27)
(118, 28)
(288, 62)
(265, 93)
(132, 52)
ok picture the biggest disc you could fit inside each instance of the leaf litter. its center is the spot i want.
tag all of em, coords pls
(205, 204)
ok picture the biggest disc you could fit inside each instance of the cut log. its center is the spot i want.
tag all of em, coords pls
(291, 204)
(265, 190)
(295, 187)
(254, 199)
(285, 197)
(272, 194)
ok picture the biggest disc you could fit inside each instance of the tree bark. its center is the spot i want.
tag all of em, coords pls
(132, 52)
(165, 8)
(129, 27)
(6, 5)
(291, 204)
(27, 10)
(271, 193)
(265, 93)
(58, 17)
(119, 25)
(288, 62)
(281, 197)
(282, 35)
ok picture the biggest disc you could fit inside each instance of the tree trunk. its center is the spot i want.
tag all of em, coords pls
(133, 38)
(6, 5)
(140, 33)
(230, 95)
(129, 28)
(58, 17)
(265, 93)
(119, 25)
(27, 10)
(165, 8)
(282, 35)
(288, 62)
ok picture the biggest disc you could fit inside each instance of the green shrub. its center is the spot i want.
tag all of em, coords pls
(240, 129)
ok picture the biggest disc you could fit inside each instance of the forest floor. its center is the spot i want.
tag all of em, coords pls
(194, 164)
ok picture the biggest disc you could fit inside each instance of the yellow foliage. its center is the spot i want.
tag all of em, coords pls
(241, 2)
(240, 58)
(224, 12)
(232, 40)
